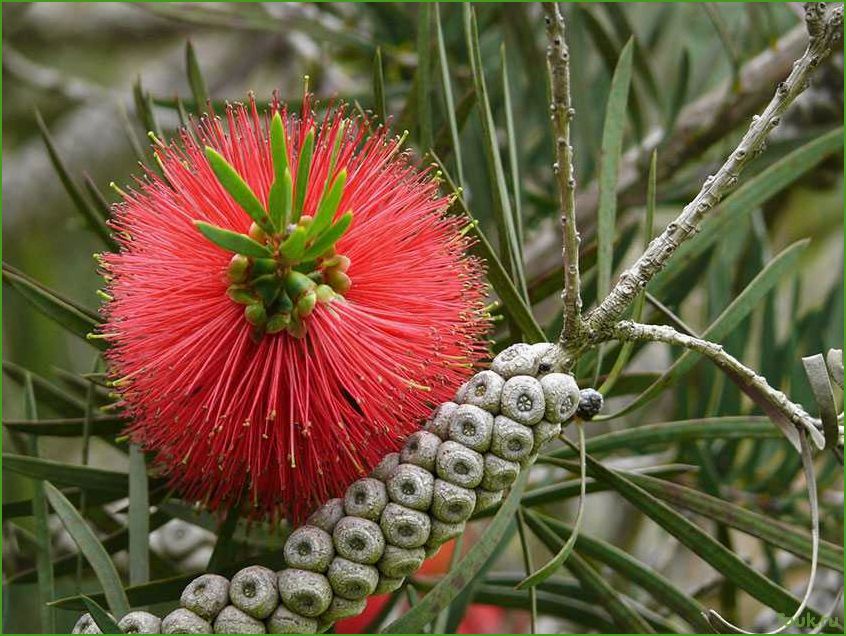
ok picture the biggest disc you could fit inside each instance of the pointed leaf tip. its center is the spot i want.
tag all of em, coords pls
(232, 241)
(238, 189)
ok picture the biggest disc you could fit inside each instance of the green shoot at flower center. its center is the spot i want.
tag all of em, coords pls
(287, 262)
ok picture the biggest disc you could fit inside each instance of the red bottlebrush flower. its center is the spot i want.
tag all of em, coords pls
(287, 305)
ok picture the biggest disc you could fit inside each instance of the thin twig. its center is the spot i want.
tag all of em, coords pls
(717, 186)
(561, 108)
(627, 330)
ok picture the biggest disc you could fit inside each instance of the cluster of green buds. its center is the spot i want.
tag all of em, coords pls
(460, 463)
(287, 262)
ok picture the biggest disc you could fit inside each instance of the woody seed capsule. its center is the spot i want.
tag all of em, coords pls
(487, 499)
(438, 422)
(518, 359)
(483, 390)
(85, 625)
(359, 540)
(410, 486)
(470, 426)
(387, 585)
(309, 548)
(306, 593)
(443, 532)
(352, 580)
(206, 595)
(284, 621)
(140, 622)
(405, 527)
(327, 515)
(231, 620)
(459, 465)
(183, 621)
(451, 503)
(510, 440)
(499, 473)
(384, 469)
(400, 562)
(366, 498)
(253, 591)
(522, 400)
(561, 394)
(420, 449)
(341, 608)
(545, 432)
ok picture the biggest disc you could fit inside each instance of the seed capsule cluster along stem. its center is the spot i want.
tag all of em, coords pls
(386, 525)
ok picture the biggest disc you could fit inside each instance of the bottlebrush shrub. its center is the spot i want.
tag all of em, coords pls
(289, 300)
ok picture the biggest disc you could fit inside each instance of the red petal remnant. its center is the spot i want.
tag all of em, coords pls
(289, 420)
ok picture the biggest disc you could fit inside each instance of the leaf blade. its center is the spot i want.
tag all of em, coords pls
(238, 189)
(612, 147)
(91, 547)
(233, 241)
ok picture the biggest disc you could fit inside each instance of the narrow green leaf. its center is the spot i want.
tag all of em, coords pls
(499, 279)
(233, 241)
(238, 189)
(592, 582)
(46, 392)
(747, 198)
(280, 200)
(575, 610)
(329, 237)
(379, 86)
(67, 427)
(728, 45)
(777, 533)
(139, 518)
(637, 310)
(610, 53)
(625, 32)
(612, 147)
(698, 541)
(655, 435)
(71, 316)
(424, 74)
(509, 247)
(224, 549)
(443, 140)
(462, 575)
(144, 109)
(514, 168)
(817, 372)
(745, 302)
(101, 205)
(101, 617)
(555, 563)
(328, 206)
(679, 94)
(93, 550)
(93, 219)
(43, 554)
(446, 85)
(195, 77)
(527, 564)
(67, 474)
(661, 588)
(461, 605)
(303, 169)
(279, 148)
